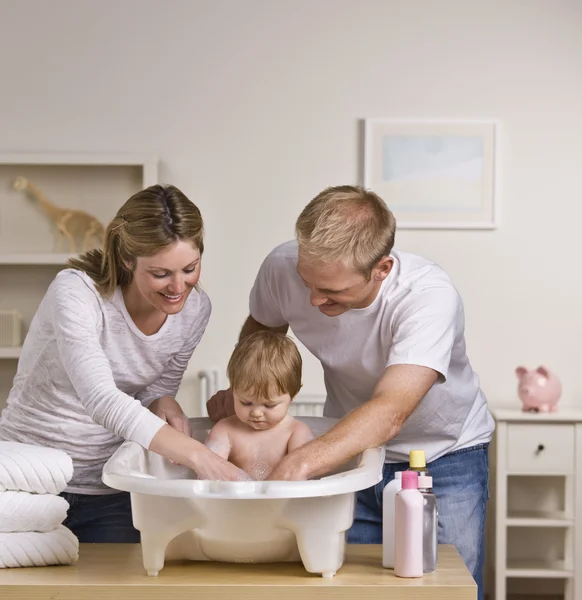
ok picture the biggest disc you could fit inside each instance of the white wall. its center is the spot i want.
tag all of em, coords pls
(254, 106)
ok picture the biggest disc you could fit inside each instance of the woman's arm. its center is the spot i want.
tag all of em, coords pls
(76, 315)
(191, 453)
(168, 409)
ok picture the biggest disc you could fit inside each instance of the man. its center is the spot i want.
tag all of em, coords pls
(388, 328)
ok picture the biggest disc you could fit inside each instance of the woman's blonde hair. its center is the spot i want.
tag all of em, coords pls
(150, 221)
(347, 223)
(265, 364)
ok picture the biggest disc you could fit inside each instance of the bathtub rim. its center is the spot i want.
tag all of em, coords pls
(120, 473)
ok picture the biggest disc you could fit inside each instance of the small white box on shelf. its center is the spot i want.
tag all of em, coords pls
(10, 328)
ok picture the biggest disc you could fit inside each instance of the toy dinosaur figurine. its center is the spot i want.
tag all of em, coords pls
(70, 223)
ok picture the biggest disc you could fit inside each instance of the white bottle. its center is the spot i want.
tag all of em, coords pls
(408, 528)
(430, 524)
(388, 501)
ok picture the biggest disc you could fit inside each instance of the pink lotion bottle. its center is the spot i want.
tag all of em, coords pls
(408, 528)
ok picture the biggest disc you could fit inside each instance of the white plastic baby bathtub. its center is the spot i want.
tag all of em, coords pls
(180, 517)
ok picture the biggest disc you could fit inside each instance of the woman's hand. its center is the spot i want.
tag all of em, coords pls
(209, 465)
(191, 453)
(171, 412)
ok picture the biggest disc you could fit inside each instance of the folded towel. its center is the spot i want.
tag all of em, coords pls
(34, 469)
(21, 511)
(32, 549)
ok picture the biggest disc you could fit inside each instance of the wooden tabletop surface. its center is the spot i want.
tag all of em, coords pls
(115, 572)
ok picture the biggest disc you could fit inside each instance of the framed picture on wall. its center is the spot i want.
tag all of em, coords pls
(435, 174)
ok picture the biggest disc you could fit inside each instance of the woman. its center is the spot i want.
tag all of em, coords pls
(112, 336)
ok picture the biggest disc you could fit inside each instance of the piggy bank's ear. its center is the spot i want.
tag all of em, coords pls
(520, 372)
(543, 371)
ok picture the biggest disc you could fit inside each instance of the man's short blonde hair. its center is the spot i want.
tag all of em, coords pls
(265, 364)
(346, 223)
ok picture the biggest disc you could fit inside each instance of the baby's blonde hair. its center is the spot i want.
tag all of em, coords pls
(265, 364)
(346, 223)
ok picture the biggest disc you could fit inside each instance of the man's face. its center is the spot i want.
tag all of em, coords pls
(337, 287)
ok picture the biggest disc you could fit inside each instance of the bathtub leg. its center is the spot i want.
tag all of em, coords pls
(321, 553)
(153, 550)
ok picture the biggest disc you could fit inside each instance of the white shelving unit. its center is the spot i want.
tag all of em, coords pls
(538, 500)
(147, 163)
(34, 259)
(96, 183)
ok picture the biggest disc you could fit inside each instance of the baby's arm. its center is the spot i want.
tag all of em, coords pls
(218, 440)
(301, 435)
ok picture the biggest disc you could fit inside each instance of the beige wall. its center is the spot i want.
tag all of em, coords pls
(254, 106)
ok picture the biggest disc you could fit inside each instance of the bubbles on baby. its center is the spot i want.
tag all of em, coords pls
(260, 468)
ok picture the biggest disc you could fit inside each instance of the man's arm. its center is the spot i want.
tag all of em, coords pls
(396, 395)
(424, 334)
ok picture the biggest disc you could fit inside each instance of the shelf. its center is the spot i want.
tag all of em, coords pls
(90, 159)
(35, 259)
(514, 414)
(557, 472)
(538, 519)
(148, 163)
(538, 569)
(10, 352)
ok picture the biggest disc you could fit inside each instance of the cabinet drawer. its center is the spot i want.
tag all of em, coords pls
(540, 448)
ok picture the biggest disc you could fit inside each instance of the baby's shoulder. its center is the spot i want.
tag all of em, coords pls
(225, 425)
(299, 427)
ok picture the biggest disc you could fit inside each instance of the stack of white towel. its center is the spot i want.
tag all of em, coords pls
(31, 511)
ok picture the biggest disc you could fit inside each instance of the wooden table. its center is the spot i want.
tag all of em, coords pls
(115, 572)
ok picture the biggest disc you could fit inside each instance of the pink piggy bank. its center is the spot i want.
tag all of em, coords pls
(538, 390)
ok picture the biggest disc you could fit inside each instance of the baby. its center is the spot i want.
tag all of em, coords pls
(265, 375)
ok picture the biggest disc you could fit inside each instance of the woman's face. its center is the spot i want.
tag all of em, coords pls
(166, 279)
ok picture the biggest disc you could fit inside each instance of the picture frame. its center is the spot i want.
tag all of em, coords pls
(435, 174)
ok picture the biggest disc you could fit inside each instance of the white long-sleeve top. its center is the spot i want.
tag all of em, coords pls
(87, 373)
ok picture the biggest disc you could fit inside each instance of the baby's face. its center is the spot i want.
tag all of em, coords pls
(260, 413)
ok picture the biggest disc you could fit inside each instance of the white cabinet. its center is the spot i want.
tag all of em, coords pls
(96, 183)
(538, 503)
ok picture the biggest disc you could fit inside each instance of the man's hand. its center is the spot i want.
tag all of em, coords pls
(170, 411)
(221, 405)
(396, 395)
(293, 467)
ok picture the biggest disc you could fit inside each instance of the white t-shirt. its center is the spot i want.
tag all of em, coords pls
(87, 373)
(417, 319)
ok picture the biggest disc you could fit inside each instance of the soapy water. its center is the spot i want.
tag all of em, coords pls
(260, 468)
(214, 446)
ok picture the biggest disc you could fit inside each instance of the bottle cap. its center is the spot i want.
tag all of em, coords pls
(417, 459)
(398, 475)
(424, 482)
(409, 480)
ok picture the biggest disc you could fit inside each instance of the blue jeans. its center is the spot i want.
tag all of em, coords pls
(103, 519)
(461, 485)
